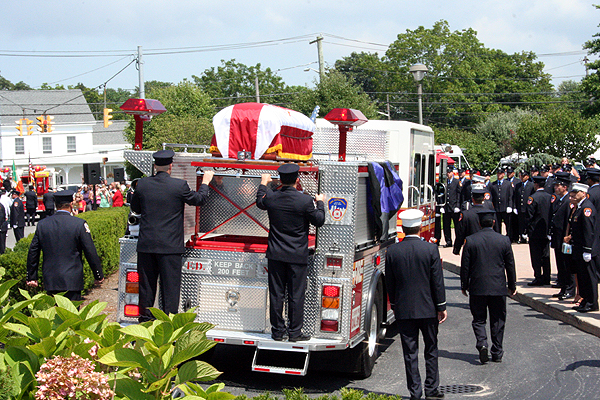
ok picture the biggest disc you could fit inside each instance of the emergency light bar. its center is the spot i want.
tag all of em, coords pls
(345, 119)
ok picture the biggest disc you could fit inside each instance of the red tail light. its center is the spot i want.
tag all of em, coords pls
(133, 276)
(329, 325)
(132, 310)
(331, 291)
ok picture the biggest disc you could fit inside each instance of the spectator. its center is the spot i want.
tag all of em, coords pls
(117, 197)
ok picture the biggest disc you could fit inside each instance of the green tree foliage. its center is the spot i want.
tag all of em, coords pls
(5, 84)
(559, 132)
(591, 83)
(500, 128)
(571, 95)
(233, 83)
(476, 149)
(188, 118)
(334, 91)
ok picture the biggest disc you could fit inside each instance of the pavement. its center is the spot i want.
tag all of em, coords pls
(538, 298)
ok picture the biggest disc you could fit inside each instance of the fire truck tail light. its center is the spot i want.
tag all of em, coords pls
(331, 302)
(330, 313)
(132, 310)
(133, 276)
(378, 260)
(331, 291)
(131, 287)
(329, 326)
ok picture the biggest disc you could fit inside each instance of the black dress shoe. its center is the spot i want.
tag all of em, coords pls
(434, 395)
(278, 338)
(496, 359)
(556, 286)
(484, 357)
(559, 294)
(448, 244)
(581, 305)
(587, 308)
(535, 282)
(566, 296)
(301, 338)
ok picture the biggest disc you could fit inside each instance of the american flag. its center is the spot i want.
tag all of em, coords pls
(31, 172)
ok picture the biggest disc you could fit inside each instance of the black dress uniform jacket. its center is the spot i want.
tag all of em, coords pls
(290, 212)
(487, 264)
(31, 201)
(414, 279)
(522, 192)
(17, 214)
(559, 219)
(48, 201)
(583, 230)
(502, 195)
(62, 238)
(538, 215)
(468, 224)
(160, 199)
(453, 196)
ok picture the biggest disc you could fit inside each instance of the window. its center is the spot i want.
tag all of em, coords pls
(47, 145)
(19, 145)
(71, 144)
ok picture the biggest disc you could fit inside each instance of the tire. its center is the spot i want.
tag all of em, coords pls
(367, 351)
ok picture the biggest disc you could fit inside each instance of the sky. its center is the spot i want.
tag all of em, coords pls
(93, 42)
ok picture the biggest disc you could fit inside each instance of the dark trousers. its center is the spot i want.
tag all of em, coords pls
(588, 280)
(514, 228)
(502, 217)
(409, 334)
(19, 233)
(30, 217)
(151, 266)
(448, 218)
(539, 251)
(3, 241)
(496, 305)
(522, 222)
(437, 232)
(564, 278)
(282, 276)
(73, 295)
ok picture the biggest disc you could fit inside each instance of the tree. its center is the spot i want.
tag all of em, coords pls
(187, 119)
(559, 132)
(233, 83)
(5, 84)
(571, 95)
(591, 83)
(476, 149)
(334, 91)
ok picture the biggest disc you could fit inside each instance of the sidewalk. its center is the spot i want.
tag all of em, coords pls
(538, 298)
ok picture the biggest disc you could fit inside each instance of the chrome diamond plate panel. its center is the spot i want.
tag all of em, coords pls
(361, 144)
(142, 160)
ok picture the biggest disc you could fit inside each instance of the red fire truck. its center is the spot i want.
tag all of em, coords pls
(224, 266)
(41, 178)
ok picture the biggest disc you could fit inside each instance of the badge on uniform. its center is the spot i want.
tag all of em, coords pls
(487, 196)
(552, 199)
(587, 212)
(530, 200)
(87, 228)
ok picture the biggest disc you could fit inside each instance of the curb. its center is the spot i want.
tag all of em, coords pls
(551, 308)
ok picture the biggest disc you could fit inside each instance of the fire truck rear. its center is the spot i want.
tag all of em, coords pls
(225, 269)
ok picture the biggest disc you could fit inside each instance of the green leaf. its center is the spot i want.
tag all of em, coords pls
(181, 319)
(111, 334)
(93, 309)
(89, 334)
(125, 358)
(20, 329)
(5, 289)
(65, 314)
(44, 348)
(92, 322)
(159, 314)
(192, 389)
(65, 325)
(40, 327)
(162, 333)
(8, 312)
(161, 383)
(196, 370)
(137, 331)
(63, 302)
(220, 396)
(130, 388)
(215, 387)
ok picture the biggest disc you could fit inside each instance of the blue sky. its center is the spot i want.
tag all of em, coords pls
(553, 29)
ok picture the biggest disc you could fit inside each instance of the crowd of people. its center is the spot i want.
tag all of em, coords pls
(547, 207)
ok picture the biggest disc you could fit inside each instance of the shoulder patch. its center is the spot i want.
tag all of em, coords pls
(460, 217)
(571, 205)
(552, 199)
(530, 200)
(87, 228)
(487, 196)
(587, 212)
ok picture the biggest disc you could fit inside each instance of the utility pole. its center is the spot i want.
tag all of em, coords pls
(257, 90)
(319, 41)
(140, 67)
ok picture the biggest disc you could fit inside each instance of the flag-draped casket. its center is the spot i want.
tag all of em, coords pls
(265, 130)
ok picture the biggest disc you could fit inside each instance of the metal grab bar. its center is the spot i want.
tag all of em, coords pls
(418, 194)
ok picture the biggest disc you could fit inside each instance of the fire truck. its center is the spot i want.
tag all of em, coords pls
(41, 178)
(224, 265)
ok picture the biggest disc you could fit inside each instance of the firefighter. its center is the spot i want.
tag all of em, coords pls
(468, 222)
(487, 267)
(538, 215)
(415, 286)
(523, 190)
(63, 238)
(17, 216)
(502, 198)
(31, 204)
(160, 200)
(451, 210)
(290, 213)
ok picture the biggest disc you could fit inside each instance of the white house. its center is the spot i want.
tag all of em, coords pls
(77, 138)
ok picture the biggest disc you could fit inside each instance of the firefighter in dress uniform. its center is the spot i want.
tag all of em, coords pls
(415, 285)
(160, 201)
(523, 190)
(502, 197)
(290, 213)
(31, 202)
(468, 222)
(560, 211)
(451, 210)
(63, 238)
(583, 237)
(538, 221)
(487, 267)
(17, 216)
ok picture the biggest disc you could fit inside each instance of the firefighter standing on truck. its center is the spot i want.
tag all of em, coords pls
(160, 200)
(290, 212)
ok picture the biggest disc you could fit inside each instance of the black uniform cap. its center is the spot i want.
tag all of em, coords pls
(485, 172)
(485, 214)
(163, 157)
(595, 172)
(288, 173)
(509, 169)
(500, 170)
(478, 189)
(15, 192)
(544, 168)
(449, 169)
(63, 196)
(534, 168)
(540, 180)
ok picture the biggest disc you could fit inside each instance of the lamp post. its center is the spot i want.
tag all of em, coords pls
(419, 71)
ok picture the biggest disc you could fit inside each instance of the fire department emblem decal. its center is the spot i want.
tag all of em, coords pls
(587, 212)
(337, 208)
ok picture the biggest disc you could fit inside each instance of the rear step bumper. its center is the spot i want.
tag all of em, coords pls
(264, 341)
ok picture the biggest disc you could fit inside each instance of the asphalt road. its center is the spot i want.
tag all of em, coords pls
(544, 359)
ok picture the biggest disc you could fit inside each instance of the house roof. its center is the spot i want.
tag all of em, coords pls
(66, 106)
(112, 135)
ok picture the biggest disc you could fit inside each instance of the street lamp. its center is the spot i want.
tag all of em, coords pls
(419, 71)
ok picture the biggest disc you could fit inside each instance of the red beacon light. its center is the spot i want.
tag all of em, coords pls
(142, 110)
(346, 119)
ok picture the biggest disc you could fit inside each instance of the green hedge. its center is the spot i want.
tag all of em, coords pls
(107, 226)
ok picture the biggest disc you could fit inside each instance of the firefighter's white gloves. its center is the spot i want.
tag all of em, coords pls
(549, 237)
(442, 210)
(508, 210)
(516, 211)
(456, 210)
(208, 175)
(320, 197)
(265, 179)
(587, 257)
